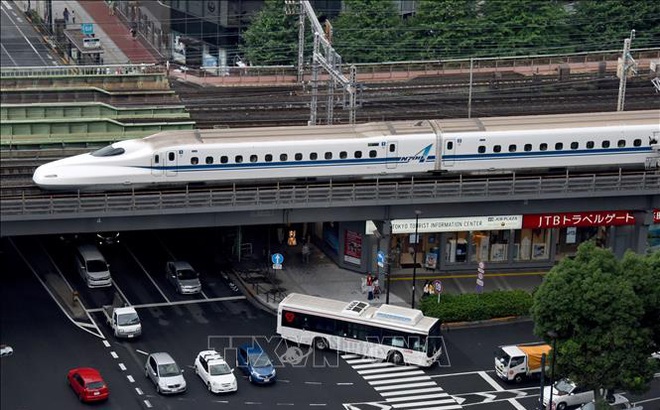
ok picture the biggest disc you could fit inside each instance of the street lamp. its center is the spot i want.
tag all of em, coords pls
(417, 213)
(553, 335)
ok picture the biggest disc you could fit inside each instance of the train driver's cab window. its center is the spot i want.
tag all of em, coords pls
(590, 144)
(497, 148)
(239, 159)
(298, 156)
(328, 155)
(170, 156)
(392, 148)
(575, 145)
(605, 144)
(313, 156)
(224, 159)
(269, 157)
(343, 155)
(528, 147)
(637, 143)
(481, 149)
(450, 145)
(358, 154)
(621, 143)
(283, 157)
(559, 146)
(209, 160)
(543, 147)
(194, 160)
(373, 154)
(254, 158)
(512, 148)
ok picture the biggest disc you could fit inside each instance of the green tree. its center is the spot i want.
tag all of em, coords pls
(368, 31)
(272, 37)
(603, 332)
(604, 24)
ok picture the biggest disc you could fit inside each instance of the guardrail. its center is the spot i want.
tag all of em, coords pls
(79, 70)
(286, 197)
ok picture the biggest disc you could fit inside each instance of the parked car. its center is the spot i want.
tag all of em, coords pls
(252, 359)
(88, 384)
(164, 373)
(616, 401)
(566, 393)
(184, 278)
(215, 372)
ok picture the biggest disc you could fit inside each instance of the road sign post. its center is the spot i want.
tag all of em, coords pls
(437, 285)
(481, 271)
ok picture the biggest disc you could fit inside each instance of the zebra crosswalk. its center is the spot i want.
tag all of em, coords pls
(402, 387)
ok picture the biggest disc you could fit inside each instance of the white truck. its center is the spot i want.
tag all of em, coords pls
(124, 321)
(517, 362)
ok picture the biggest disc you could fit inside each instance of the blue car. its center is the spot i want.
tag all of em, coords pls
(255, 363)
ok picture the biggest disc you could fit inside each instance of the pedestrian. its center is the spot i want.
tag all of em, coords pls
(376, 288)
(370, 279)
(305, 253)
(65, 14)
(425, 289)
(370, 292)
(111, 7)
(73, 16)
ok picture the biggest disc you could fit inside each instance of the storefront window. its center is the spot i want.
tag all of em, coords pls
(456, 248)
(479, 246)
(522, 247)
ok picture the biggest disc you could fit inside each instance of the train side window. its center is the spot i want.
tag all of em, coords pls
(284, 157)
(512, 148)
(373, 154)
(637, 143)
(590, 144)
(298, 156)
(328, 155)
(156, 159)
(621, 143)
(450, 145)
(313, 156)
(543, 147)
(170, 156)
(343, 155)
(269, 157)
(559, 146)
(254, 158)
(239, 159)
(605, 144)
(194, 160)
(209, 160)
(481, 149)
(358, 154)
(392, 148)
(575, 145)
(528, 147)
(224, 159)
(497, 148)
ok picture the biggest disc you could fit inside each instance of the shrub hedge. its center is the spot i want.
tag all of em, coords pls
(471, 306)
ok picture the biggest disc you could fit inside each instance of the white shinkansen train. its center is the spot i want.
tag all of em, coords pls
(598, 141)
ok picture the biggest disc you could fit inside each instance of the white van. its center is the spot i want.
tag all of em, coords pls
(92, 267)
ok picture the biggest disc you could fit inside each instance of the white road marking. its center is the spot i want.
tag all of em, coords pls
(9, 55)
(139, 391)
(358, 361)
(148, 275)
(114, 355)
(316, 383)
(386, 369)
(120, 292)
(391, 375)
(106, 343)
(372, 365)
(147, 403)
(130, 378)
(6, 4)
(24, 36)
(142, 352)
(515, 404)
(491, 381)
(122, 367)
(417, 391)
(406, 386)
(401, 380)
(344, 384)
(448, 399)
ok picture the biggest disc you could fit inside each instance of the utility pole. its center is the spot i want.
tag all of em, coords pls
(623, 72)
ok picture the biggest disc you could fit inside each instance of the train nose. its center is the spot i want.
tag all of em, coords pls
(45, 176)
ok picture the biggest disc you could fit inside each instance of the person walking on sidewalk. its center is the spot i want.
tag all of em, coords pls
(111, 7)
(73, 16)
(65, 14)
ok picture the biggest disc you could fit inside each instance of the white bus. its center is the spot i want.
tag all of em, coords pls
(397, 334)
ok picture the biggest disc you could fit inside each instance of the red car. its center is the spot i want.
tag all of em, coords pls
(88, 384)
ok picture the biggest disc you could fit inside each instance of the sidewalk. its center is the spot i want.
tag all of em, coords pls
(322, 277)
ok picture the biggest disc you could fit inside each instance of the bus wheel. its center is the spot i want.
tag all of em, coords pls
(320, 343)
(396, 358)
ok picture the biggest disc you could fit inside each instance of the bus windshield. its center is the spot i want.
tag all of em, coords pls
(434, 344)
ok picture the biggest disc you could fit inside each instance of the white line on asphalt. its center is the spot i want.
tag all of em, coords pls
(100, 335)
(130, 378)
(26, 39)
(184, 302)
(114, 355)
(405, 386)
(106, 343)
(350, 356)
(9, 55)
(391, 375)
(139, 391)
(448, 399)
(318, 404)
(317, 383)
(284, 404)
(147, 273)
(344, 384)
(386, 370)
(429, 403)
(401, 380)
(417, 391)
(458, 374)
(491, 381)
(6, 4)
(358, 361)
(515, 404)
(120, 292)
(148, 403)
(20, 20)
(372, 365)
(142, 352)
(122, 367)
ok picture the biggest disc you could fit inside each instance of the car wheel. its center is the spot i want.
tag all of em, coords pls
(320, 343)
(209, 386)
(396, 358)
(561, 406)
(518, 378)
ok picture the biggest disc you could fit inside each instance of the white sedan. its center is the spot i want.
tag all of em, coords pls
(215, 372)
(565, 394)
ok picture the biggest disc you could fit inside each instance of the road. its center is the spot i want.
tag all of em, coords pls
(20, 44)
(47, 343)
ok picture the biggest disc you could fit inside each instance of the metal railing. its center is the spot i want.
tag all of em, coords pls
(331, 194)
(78, 70)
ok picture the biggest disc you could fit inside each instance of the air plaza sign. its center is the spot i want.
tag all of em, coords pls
(469, 223)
